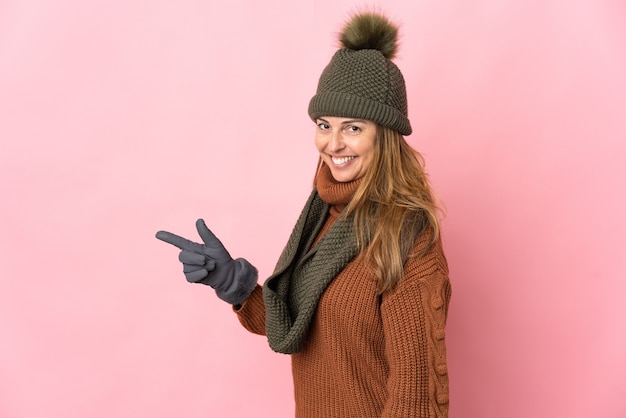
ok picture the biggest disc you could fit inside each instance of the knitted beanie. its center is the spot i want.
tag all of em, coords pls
(361, 81)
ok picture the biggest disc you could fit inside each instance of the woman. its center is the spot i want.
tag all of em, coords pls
(360, 294)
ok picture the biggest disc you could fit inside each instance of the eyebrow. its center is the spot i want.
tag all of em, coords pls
(345, 122)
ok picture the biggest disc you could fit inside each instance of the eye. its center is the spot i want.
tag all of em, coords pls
(353, 129)
(322, 126)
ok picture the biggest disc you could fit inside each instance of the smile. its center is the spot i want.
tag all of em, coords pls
(342, 160)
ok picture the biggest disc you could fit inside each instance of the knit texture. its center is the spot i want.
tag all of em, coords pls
(366, 355)
(304, 269)
(362, 84)
(361, 81)
(334, 193)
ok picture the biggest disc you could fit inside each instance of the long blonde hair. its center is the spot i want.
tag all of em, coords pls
(393, 205)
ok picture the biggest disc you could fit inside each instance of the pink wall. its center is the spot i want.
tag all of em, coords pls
(119, 118)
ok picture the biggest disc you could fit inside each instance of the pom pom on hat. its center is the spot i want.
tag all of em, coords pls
(370, 31)
(361, 81)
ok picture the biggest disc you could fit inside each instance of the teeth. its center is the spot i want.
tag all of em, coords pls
(342, 160)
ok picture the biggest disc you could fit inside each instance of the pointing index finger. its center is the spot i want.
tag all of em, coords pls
(178, 241)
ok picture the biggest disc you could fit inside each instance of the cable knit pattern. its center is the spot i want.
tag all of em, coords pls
(371, 356)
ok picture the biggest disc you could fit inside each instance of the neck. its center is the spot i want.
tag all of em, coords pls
(335, 193)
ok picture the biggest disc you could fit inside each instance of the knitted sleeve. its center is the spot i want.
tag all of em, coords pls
(251, 312)
(414, 317)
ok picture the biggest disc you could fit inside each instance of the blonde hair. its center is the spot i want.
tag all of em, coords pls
(392, 206)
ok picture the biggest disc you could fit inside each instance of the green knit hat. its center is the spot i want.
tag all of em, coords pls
(361, 81)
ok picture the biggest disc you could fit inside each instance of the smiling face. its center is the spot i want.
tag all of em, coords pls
(346, 145)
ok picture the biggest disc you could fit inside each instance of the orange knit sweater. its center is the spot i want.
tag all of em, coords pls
(368, 355)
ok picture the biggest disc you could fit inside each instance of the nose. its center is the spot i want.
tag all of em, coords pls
(335, 142)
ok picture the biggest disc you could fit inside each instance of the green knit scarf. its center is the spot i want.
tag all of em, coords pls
(302, 274)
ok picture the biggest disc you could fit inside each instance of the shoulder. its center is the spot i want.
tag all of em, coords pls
(425, 258)
(425, 284)
(426, 268)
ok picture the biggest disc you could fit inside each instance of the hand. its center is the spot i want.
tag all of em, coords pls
(211, 264)
(198, 260)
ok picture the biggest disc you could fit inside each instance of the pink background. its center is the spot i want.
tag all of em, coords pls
(119, 118)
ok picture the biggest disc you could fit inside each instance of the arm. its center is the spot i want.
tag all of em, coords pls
(414, 317)
(251, 312)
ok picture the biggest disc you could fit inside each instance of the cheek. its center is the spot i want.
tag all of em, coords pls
(319, 143)
(367, 149)
(367, 161)
(368, 156)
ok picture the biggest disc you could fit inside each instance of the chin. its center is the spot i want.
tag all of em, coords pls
(342, 178)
